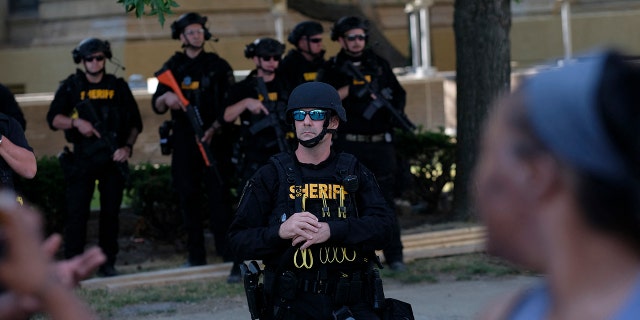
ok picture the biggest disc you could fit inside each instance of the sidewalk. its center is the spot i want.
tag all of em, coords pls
(455, 300)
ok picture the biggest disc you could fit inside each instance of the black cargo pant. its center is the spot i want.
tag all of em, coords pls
(81, 183)
(193, 181)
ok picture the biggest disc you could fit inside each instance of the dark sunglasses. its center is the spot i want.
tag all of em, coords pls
(314, 40)
(299, 115)
(91, 58)
(353, 37)
(268, 58)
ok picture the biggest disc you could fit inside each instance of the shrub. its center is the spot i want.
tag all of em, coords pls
(430, 158)
(46, 191)
(153, 199)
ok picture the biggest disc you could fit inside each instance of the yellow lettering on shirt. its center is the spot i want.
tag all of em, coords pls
(97, 94)
(329, 191)
(310, 76)
(367, 78)
(192, 86)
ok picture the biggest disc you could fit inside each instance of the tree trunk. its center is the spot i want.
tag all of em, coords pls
(331, 11)
(483, 72)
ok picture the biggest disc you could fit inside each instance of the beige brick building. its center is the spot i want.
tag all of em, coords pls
(37, 36)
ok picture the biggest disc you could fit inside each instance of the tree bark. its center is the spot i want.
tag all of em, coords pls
(483, 72)
(330, 11)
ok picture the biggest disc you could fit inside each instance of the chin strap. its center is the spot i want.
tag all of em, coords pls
(314, 141)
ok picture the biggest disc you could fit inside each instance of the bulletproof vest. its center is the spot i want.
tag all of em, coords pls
(329, 195)
(100, 106)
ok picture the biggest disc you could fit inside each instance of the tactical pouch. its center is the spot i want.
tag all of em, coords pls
(287, 285)
(67, 163)
(355, 291)
(396, 309)
(377, 292)
(342, 291)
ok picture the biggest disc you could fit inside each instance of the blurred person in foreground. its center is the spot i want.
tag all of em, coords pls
(558, 187)
(34, 282)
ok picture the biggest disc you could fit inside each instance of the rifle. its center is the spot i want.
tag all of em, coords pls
(270, 120)
(87, 112)
(165, 76)
(381, 101)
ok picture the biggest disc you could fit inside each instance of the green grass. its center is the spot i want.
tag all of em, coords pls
(460, 267)
(105, 302)
(95, 201)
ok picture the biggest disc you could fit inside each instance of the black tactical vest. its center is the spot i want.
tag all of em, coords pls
(329, 194)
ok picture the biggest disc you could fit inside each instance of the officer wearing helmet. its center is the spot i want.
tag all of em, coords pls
(368, 138)
(314, 217)
(262, 94)
(204, 78)
(101, 119)
(301, 64)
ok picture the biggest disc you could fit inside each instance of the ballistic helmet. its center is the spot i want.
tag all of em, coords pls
(177, 27)
(264, 47)
(302, 29)
(316, 95)
(90, 46)
(347, 23)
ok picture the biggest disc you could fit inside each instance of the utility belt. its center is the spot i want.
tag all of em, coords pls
(380, 137)
(345, 284)
(345, 288)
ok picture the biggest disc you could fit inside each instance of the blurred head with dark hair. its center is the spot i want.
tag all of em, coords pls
(560, 157)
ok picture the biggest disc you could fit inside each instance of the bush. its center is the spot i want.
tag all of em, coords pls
(153, 199)
(430, 158)
(46, 191)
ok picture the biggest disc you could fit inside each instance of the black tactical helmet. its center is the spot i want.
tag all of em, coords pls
(316, 95)
(305, 28)
(264, 47)
(177, 27)
(90, 46)
(347, 23)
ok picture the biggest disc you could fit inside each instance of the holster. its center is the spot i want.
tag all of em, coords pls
(377, 292)
(67, 163)
(254, 291)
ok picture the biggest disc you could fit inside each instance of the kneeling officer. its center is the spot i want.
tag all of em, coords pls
(315, 218)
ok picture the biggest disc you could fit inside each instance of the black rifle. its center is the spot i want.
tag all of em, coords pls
(254, 289)
(381, 100)
(270, 120)
(165, 76)
(87, 112)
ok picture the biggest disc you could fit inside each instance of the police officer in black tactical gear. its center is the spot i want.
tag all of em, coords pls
(370, 140)
(314, 217)
(101, 119)
(260, 101)
(204, 78)
(302, 63)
